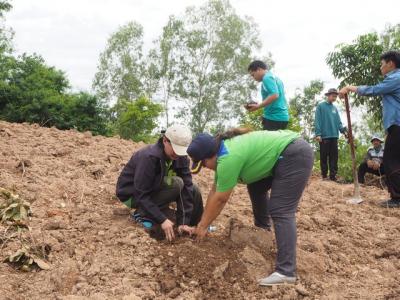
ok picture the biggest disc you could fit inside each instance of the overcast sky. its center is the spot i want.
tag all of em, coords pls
(71, 34)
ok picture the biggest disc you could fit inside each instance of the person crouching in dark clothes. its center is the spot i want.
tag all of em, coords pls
(373, 162)
(160, 174)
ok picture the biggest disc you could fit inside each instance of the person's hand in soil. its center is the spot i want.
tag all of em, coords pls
(200, 232)
(168, 228)
(186, 229)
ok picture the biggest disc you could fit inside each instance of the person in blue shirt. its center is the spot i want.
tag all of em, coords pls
(389, 90)
(327, 125)
(276, 114)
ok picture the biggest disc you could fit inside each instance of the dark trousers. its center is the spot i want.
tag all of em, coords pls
(274, 125)
(172, 193)
(287, 184)
(391, 161)
(328, 151)
(363, 169)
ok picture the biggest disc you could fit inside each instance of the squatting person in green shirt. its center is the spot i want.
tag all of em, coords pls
(276, 114)
(279, 161)
(327, 125)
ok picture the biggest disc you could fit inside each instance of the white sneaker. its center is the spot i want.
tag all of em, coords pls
(277, 279)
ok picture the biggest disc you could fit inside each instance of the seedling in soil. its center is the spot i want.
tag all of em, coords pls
(13, 208)
(24, 259)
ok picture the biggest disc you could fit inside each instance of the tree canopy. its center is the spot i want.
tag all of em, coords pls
(358, 63)
(205, 54)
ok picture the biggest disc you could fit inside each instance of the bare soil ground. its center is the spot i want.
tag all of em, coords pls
(344, 251)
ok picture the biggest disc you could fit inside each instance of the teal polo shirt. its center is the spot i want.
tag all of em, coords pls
(327, 121)
(277, 110)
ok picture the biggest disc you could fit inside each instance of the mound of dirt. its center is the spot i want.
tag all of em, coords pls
(96, 252)
(225, 265)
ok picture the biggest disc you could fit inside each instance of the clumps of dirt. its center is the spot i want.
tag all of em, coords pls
(97, 252)
(376, 181)
(211, 266)
(5, 132)
(226, 266)
(250, 236)
(205, 269)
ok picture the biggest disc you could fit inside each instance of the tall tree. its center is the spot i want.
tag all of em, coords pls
(6, 34)
(303, 106)
(168, 62)
(124, 72)
(205, 57)
(358, 63)
(4, 7)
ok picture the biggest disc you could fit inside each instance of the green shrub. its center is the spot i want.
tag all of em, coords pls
(136, 120)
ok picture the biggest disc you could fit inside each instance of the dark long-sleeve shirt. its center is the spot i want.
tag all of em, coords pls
(143, 175)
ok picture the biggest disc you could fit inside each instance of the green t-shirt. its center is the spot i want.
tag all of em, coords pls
(250, 157)
(277, 110)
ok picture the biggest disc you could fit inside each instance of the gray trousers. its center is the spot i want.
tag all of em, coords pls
(172, 193)
(287, 184)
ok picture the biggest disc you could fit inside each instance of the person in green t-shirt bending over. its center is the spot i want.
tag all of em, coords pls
(279, 161)
(276, 114)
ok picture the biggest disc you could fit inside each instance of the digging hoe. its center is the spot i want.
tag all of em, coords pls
(356, 199)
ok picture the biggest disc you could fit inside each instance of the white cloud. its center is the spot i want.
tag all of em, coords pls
(71, 34)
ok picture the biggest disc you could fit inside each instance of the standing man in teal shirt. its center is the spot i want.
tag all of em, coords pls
(327, 126)
(276, 114)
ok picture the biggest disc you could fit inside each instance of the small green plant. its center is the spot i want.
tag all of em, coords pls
(25, 259)
(13, 208)
(170, 173)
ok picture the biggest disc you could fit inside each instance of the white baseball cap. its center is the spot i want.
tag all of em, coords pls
(180, 137)
(377, 137)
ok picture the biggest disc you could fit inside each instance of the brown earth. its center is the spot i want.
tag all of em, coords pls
(344, 251)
